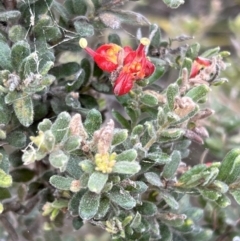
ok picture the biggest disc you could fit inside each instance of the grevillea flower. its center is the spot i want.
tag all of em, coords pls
(125, 64)
(106, 56)
(136, 66)
(198, 64)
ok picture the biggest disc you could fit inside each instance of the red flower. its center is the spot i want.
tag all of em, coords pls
(126, 64)
(136, 66)
(106, 56)
(198, 64)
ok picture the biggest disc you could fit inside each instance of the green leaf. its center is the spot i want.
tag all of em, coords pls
(44, 125)
(72, 143)
(153, 179)
(122, 198)
(73, 204)
(236, 195)
(193, 171)
(172, 92)
(4, 160)
(89, 205)
(87, 166)
(127, 155)
(61, 183)
(47, 80)
(5, 56)
(28, 65)
(136, 220)
(17, 33)
(20, 50)
(155, 36)
(170, 200)
(147, 208)
(103, 208)
(65, 70)
(194, 213)
(133, 113)
(165, 232)
(235, 174)
(93, 121)
(4, 193)
(171, 167)
(223, 201)
(219, 186)
(97, 181)
(60, 127)
(5, 179)
(73, 167)
(198, 92)
(83, 28)
(210, 194)
(122, 120)
(171, 134)
(10, 15)
(157, 74)
(58, 159)
(210, 52)
(23, 108)
(114, 18)
(149, 100)
(17, 139)
(173, 3)
(126, 167)
(78, 81)
(114, 38)
(86, 66)
(5, 112)
(227, 165)
(77, 223)
(187, 63)
(159, 157)
(119, 136)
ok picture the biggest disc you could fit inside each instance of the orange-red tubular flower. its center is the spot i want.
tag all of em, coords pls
(106, 56)
(198, 64)
(136, 66)
(128, 65)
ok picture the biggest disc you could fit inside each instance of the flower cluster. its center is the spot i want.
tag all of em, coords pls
(125, 64)
(105, 162)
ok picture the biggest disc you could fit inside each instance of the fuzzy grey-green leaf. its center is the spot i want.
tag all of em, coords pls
(127, 155)
(122, 198)
(153, 179)
(170, 168)
(60, 127)
(149, 100)
(89, 205)
(227, 164)
(17, 33)
(20, 50)
(24, 111)
(93, 121)
(119, 136)
(97, 181)
(58, 159)
(126, 167)
(172, 92)
(61, 183)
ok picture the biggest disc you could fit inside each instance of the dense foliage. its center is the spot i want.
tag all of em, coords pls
(67, 157)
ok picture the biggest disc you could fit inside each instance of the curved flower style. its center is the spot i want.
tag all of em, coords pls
(198, 64)
(125, 64)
